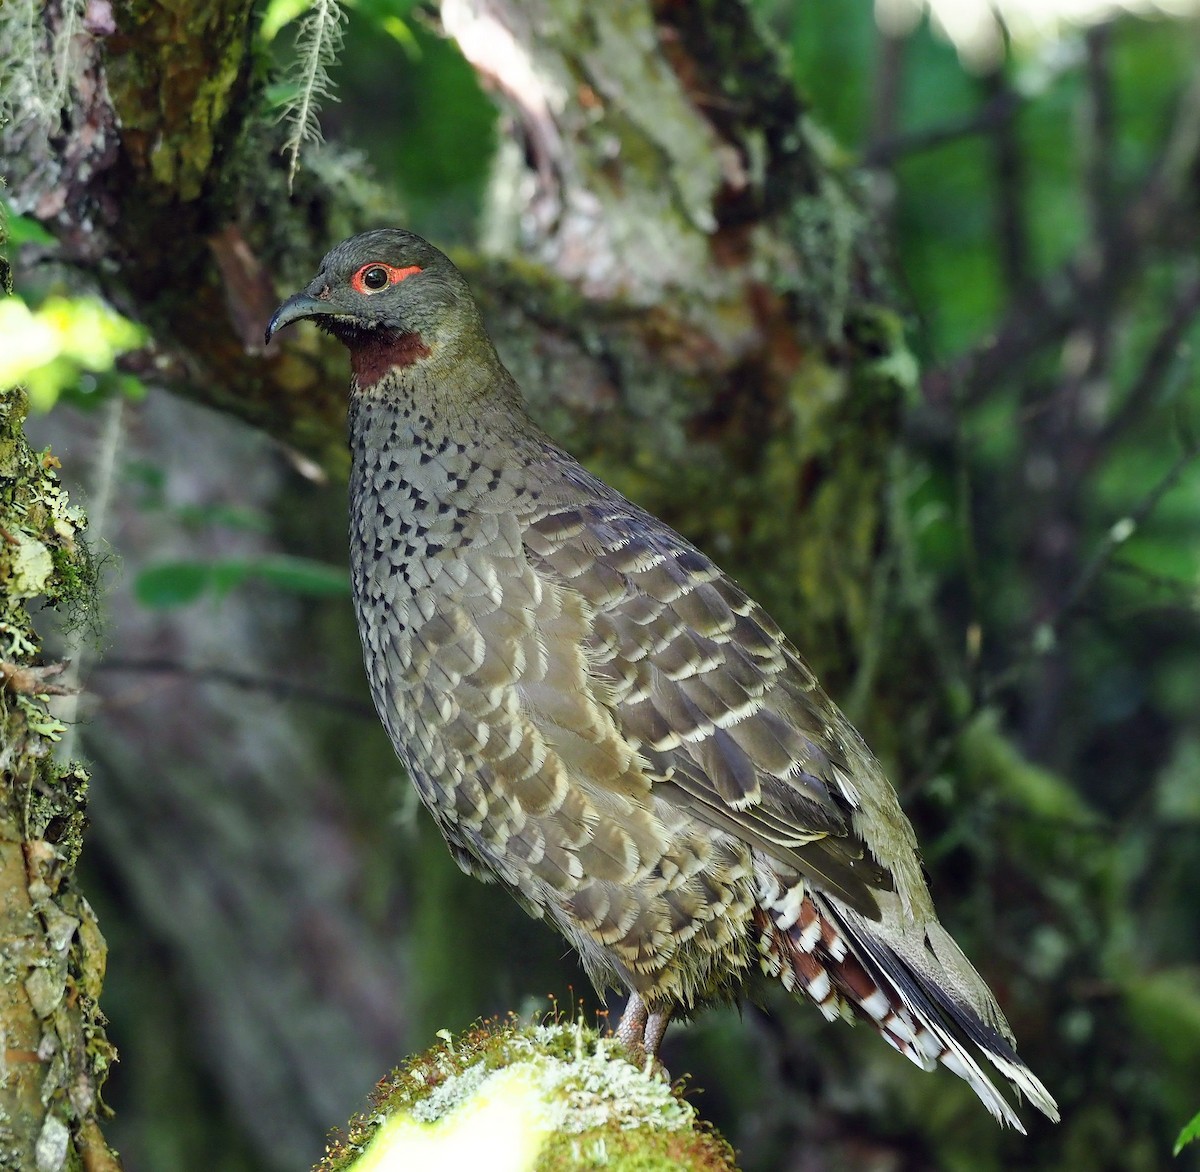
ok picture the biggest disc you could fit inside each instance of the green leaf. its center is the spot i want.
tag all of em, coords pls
(179, 583)
(1189, 1134)
(279, 13)
(239, 517)
(130, 386)
(302, 576)
(172, 584)
(228, 575)
(25, 230)
(51, 347)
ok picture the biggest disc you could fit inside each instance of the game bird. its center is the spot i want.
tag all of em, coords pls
(602, 720)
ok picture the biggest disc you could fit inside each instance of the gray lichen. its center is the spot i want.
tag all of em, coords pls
(52, 965)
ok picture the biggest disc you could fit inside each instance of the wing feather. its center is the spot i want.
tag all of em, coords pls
(704, 684)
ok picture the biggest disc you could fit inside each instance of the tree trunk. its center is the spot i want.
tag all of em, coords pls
(55, 1055)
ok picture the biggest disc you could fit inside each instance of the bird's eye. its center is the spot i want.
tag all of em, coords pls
(373, 277)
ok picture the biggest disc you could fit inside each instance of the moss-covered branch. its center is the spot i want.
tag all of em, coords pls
(55, 1054)
(514, 1097)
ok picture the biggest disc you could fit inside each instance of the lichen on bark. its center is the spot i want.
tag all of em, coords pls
(55, 1053)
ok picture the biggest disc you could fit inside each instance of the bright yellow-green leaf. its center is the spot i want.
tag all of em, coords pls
(46, 348)
(1189, 1134)
(90, 332)
(27, 342)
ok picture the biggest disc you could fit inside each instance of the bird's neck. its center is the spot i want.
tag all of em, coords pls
(423, 430)
(375, 354)
(428, 477)
(446, 400)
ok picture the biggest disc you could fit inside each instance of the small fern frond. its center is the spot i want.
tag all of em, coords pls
(308, 82)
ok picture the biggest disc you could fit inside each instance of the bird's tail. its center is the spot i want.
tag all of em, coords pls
(922, 994)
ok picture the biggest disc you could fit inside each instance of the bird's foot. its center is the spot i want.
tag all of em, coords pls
(641, 1033)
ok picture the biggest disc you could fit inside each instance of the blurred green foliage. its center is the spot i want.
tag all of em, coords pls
(1057, 507)
(975, 499)
(65, 346)
(416, 110)
(406, 100)
(177, 583)
(60, 345)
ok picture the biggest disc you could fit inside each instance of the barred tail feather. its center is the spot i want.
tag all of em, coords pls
(929, 1004)
(994, 1039)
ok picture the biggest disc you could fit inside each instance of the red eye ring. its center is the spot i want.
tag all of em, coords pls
(394, 275)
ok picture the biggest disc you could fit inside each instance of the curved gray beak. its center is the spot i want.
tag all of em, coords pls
(293, 309)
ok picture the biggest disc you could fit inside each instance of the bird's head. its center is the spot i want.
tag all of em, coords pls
(392, 298)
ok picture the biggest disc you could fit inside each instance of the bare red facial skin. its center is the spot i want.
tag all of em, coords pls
(373, 357)
(395, 276)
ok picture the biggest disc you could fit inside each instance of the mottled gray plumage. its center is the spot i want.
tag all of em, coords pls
(601, 719)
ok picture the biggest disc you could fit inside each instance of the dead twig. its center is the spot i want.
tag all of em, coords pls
(34, 681)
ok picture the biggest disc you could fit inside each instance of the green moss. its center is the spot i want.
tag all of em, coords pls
(42, 802)
(199, 69)
(42, 555)
(534, 1097)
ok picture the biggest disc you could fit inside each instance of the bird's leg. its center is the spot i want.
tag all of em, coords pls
(656, 1027)
(641, 1032)
(631, 1032)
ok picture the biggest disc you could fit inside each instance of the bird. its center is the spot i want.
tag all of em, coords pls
(601, 719)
